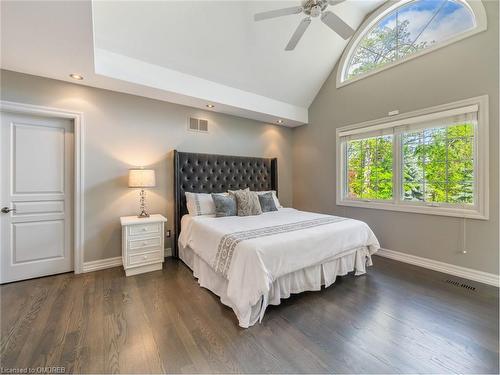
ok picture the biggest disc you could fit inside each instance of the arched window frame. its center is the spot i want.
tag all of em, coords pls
(475, 6)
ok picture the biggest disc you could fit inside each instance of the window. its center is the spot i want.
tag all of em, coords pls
(438, 162)
(429, 161)
(406, 29)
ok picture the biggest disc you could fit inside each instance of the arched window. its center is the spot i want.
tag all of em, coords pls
(405, 29)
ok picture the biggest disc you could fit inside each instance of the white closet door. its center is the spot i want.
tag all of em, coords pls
(36, 196)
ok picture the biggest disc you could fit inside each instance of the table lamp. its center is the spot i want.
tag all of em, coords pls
(141, 178)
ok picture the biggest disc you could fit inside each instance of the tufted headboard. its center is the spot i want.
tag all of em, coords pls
(206, 173)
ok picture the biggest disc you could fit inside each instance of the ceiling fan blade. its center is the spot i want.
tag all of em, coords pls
(278, 13)
(299, 31)
(335, 2)
(335, 23)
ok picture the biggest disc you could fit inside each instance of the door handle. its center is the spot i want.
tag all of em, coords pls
(6, 210)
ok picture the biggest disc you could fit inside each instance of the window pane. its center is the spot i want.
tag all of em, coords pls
(438, 164)
(376, 49)
(369, 174)
(435, 191)
(413, 156)
(368, 153)
(412, 20)
(461, 193)
(451, 18)
(461, 130)
(354, 170)
(410, 28)
(384, 191)
(460, 148)
(435, 170)
(413, 191)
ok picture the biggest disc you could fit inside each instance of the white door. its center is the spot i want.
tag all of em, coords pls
(36, 196)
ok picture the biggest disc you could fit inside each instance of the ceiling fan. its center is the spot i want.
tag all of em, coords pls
(311, 8)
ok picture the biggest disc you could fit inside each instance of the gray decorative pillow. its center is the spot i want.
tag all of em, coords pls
(225, 205)
(247, 202)
(267, 202)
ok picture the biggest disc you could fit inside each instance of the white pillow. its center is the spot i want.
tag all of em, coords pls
(200, 204)
(276, 201)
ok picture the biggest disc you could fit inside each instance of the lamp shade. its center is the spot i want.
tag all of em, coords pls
(141, 178)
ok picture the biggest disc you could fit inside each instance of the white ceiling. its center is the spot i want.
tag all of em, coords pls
(187, 52)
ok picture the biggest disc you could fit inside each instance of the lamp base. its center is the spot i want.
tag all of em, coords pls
(142, 201)
(143, 214)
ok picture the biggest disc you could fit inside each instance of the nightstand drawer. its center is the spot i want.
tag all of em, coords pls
(134, 245)
(142, 229)
(144, 258)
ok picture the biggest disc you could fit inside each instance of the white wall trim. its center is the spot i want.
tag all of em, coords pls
(102, 264)
(466, 273)
(475, 6)
(77, 118)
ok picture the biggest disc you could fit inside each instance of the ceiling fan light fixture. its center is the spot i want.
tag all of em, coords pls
(280, 121)
(315, 11)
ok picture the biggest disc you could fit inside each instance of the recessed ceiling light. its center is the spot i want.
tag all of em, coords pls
(78, 77)
(210, 106)
(280, 121)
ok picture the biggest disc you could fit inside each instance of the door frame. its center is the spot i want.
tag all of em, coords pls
(78, 198)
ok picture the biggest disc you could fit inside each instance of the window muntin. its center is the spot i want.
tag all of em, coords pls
(413, 27)
(445, 146)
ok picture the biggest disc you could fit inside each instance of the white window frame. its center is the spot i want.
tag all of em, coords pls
(478, 210)
(475, 6)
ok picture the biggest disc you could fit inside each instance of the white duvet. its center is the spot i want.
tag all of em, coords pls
(253, 251)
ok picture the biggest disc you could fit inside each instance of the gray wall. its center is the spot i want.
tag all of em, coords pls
(462, 70)
(122, 131)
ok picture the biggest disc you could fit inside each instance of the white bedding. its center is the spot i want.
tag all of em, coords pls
(254, 251)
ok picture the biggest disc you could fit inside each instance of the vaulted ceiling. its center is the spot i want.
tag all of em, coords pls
(187, 52)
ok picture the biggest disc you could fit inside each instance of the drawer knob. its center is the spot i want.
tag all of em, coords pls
(145, 257)
(144, 243)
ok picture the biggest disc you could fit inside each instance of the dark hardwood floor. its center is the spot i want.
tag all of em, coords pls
(396, 319)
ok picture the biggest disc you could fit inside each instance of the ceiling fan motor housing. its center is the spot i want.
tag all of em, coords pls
(314, 8)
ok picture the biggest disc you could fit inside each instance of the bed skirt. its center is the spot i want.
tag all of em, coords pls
(306, 279)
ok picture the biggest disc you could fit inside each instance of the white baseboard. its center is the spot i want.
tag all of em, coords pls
(466, 273)
(102, 264)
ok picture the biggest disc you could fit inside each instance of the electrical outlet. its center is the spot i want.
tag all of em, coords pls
(167, 233)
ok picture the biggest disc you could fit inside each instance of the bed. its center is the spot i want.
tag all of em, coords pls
(255, 261)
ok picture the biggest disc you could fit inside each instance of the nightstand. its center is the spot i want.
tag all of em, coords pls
(142, 243)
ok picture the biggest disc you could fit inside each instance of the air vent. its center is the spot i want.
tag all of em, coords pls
(193, 124)
(461, 285)
(198, 125)
(203, 125)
